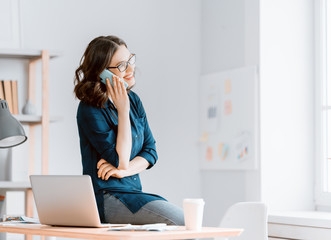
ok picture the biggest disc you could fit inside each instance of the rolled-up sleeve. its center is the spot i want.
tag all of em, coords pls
(148, 150)
(99, 134)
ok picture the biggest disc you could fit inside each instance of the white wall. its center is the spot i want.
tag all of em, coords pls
(287, 115)
(165, 35)
(229, 40)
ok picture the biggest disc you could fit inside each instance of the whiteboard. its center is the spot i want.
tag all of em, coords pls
(229, 119)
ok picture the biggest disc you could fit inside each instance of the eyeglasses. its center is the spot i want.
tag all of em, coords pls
(124, 65)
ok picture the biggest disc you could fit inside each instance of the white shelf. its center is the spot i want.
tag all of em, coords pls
(301, 218)
(13, 186)
(299, 225)
(33, 57)
(24, 53)
(34, 118)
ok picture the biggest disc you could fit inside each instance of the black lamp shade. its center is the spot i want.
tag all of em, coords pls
(11, 130)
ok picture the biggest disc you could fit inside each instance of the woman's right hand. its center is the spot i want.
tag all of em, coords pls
(106, 170)
(119, 95)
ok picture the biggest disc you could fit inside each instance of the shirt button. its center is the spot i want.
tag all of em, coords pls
(136, 136)
(135, 179)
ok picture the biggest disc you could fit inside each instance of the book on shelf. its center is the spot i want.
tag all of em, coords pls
(15, 96)
(2, 95)
(10, 94)
(2, 201)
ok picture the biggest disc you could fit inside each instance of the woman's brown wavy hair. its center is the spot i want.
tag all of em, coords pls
(97, 56)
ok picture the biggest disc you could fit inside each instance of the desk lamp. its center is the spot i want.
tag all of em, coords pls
(11, 130)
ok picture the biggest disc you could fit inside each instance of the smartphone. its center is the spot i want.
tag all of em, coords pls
(108, 74)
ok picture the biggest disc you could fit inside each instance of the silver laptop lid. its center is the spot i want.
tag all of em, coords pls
(65, 200)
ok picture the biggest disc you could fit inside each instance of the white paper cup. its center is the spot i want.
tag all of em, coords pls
(193, 213)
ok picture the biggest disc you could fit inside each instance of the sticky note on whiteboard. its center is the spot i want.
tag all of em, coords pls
(242, 146)
(209, 154)
(204, 137)
(228, 107)
(223, 151)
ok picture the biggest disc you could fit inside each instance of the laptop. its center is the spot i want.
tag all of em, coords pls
(66, 200)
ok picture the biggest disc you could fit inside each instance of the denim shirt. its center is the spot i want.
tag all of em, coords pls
(98, 132)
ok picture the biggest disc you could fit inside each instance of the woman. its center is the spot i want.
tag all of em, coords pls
(115, 139)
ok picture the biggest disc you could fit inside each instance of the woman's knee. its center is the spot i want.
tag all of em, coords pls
(164, 211)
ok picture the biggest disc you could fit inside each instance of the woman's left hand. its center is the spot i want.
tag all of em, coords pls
(106, 170)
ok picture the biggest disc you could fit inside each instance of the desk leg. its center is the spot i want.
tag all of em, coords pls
(28, 237)
(28, 203)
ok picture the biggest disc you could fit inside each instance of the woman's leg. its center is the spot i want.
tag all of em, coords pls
(158, 211)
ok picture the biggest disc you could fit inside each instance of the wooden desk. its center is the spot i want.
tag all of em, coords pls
(103, 233)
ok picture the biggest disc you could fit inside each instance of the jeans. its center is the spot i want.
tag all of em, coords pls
(157, 211)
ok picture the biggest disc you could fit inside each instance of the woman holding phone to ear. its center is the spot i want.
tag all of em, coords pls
(115, 139)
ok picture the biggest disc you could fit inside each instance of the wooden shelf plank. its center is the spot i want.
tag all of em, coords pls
(9, 185)
(24, 53)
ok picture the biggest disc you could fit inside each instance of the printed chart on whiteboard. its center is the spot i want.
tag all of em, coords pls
(229, 119)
